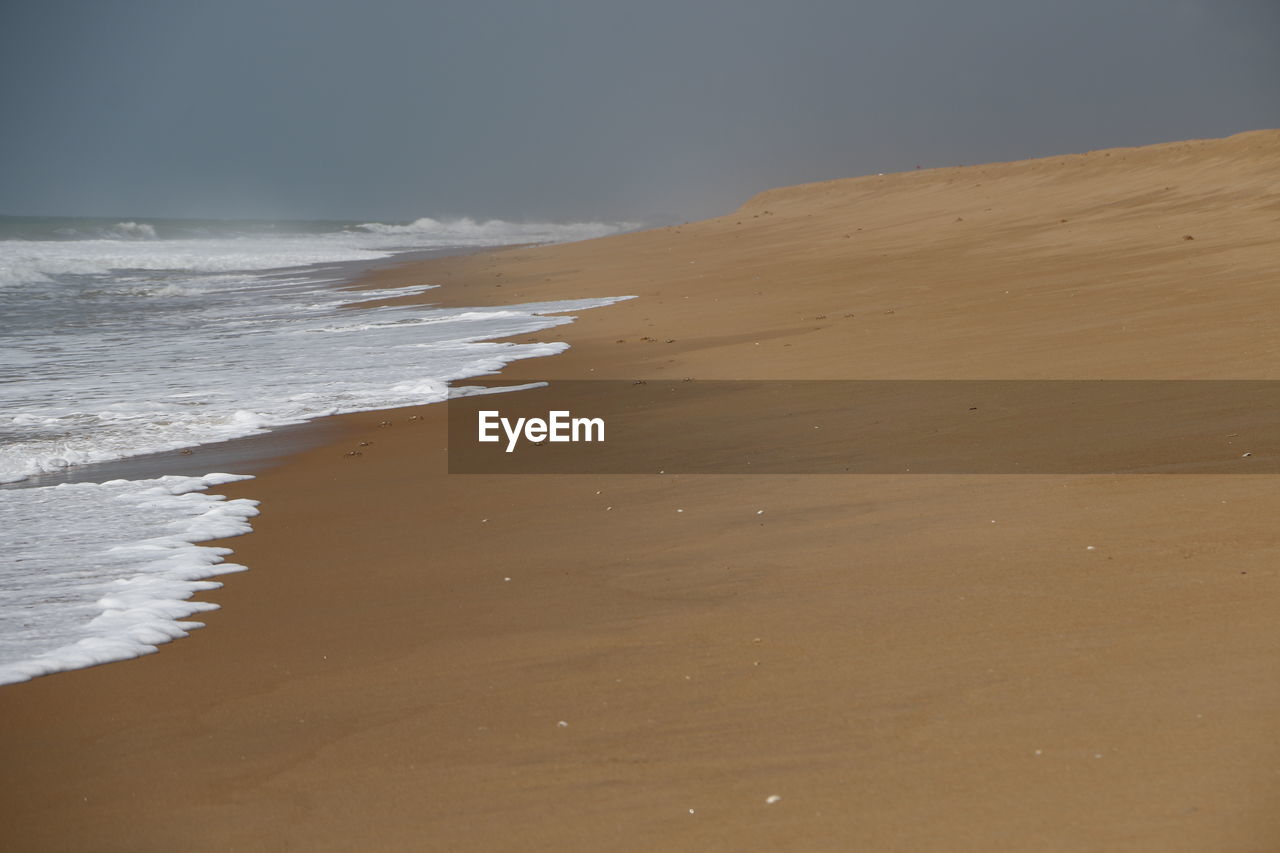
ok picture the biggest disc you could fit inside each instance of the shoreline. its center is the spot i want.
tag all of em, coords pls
(150, 602)
(908, 663)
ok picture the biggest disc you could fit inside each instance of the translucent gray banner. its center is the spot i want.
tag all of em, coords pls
(870, 427)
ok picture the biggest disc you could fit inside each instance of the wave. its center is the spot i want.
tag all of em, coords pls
(23, 262)
(499, 230)
(132, 231)
(130, 246)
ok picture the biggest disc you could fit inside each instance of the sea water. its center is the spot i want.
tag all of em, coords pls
(125, 337)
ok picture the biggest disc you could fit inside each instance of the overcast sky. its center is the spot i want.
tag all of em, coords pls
(581, 110)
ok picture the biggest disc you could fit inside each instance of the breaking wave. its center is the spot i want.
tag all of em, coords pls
(498, 230)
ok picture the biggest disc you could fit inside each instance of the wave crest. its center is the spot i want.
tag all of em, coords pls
(132, 231)
(498, 230)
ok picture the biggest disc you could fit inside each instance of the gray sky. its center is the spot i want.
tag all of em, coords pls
(580, 109)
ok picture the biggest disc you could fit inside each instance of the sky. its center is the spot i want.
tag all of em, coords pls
(586, 109)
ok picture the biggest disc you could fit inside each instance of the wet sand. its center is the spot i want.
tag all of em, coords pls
(424, 661)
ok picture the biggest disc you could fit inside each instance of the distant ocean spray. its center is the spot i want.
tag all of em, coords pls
(126, 337)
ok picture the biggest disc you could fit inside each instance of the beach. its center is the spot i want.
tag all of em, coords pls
(420, 660)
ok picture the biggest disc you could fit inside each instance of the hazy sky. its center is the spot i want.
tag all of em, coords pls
(594, 109)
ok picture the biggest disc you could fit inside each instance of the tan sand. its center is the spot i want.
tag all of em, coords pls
(909, 662)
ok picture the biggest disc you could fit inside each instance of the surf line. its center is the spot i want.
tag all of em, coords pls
(558, 425)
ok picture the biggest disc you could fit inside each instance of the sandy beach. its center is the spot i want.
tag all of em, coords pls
(425, 661)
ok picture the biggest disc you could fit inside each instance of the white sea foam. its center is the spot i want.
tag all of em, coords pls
(269, 364)
(103, 572)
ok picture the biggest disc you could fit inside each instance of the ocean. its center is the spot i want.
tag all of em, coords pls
(120, 338)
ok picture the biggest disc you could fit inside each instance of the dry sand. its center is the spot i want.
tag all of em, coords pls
(908, 662)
